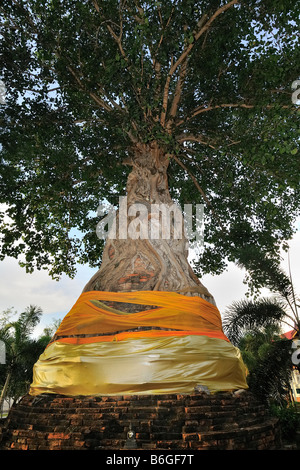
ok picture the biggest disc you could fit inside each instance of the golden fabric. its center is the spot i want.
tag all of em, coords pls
(174, 348)
(139, 366)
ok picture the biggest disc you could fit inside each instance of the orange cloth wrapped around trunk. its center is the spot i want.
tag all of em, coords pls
(173, 347)
(186, 315)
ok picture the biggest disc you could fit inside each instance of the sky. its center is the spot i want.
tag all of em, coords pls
(18, 289)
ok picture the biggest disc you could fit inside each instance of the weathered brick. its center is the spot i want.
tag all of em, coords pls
(56, 444)
(58, 435)
(198, 421)
(193, 436)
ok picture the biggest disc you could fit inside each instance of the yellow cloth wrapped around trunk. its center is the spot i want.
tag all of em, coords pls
(98, 350)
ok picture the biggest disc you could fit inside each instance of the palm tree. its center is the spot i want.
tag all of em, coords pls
(255, 347)
(249, 321)
(254, 326)
(21, 350)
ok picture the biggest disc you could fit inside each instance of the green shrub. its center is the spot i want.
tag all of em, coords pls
(289, 419)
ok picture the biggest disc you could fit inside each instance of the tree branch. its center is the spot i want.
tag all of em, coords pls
(193, 138)
(155, 63)
(177, 94)
(201, 109)
(165, 98)
(201, 31)
(193, 178)
(161, 39)
(118, 40)
(203, 26)
(96, 98)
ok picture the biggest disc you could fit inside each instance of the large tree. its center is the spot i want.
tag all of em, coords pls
(192, 101)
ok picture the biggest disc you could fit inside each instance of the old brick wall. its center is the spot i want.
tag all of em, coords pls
(222, 421)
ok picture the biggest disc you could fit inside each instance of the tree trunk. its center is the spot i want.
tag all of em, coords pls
(149, 263)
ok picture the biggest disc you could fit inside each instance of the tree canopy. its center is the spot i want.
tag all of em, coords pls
(210, 81)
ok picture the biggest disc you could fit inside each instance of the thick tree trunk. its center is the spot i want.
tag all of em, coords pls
(150, 263)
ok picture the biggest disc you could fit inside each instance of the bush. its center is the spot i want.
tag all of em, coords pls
(289, 420)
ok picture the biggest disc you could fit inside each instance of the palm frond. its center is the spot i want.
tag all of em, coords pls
(28, 320)
(247, 316)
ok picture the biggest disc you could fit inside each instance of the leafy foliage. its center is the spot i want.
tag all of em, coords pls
(270, 379)
(210, 81)
(250, 316)
(22, 351)
(289, 419)
(255, 326)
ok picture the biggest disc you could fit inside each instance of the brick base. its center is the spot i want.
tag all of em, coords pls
(222, 421)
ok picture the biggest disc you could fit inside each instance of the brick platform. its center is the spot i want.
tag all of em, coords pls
(221, 421)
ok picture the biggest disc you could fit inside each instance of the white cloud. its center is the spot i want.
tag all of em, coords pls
(229, 287)
(19, 289)
(226, 287)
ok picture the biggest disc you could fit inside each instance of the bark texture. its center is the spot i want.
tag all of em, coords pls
(147, 264)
